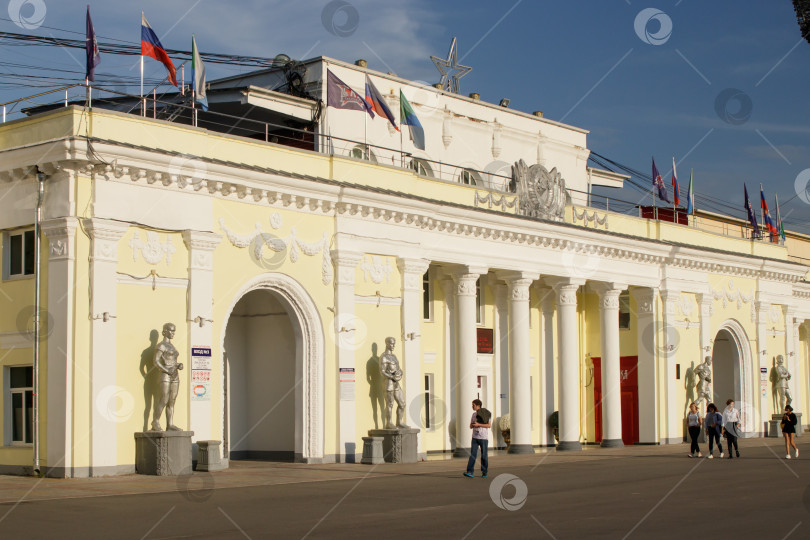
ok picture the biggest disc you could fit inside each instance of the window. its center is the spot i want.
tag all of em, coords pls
(362, 151)
(430, 420)
(21, 404)
(469, 177)
(479, 302)
(421, 167)
(18, 252)
(624, 310)
(427, 304)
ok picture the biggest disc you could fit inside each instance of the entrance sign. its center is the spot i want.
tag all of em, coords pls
(485, 341)
(347, 382)
(201, 358)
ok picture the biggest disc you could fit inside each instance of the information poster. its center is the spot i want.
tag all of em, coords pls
(201, 374)
(347, 382)
(763, 381)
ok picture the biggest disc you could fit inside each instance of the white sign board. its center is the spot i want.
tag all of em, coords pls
(347, 382)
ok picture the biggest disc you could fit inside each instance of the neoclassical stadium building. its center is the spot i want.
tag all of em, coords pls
(287, 239)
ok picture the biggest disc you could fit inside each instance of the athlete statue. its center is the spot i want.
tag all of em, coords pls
(166, 361)
(389, 367)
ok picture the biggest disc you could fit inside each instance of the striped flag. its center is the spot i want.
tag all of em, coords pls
(151, 47)
(676, 189)
(690, 196)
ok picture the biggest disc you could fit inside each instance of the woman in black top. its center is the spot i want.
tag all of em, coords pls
(788, 425)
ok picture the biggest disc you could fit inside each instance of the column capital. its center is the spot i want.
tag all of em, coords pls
(105, 234)
(517, 275)
(412, 266)
(201, 240)
(607, 288)
(61, 233)
(557, 283)
(345, 258)
(457, 270)
(645, 300)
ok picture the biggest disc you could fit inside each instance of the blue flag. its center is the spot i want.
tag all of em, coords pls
(91, 46)
(408, 118)
(658, 182)
(690, 198)
(752, 217)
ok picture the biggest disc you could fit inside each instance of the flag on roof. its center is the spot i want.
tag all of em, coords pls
(341, 96)
(377, 103)
(780, 227)
(91, 46)
(690, 196)
(151, 47)
(676, 189)
(198, 76)
(659, 183)
(752, 217)
(766, 214)
(408, 118)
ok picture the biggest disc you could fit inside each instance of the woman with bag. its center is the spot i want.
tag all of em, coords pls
(694, 422)
(788, 425)
(731, 427)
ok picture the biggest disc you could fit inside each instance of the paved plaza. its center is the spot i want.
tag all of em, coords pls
(635, 492)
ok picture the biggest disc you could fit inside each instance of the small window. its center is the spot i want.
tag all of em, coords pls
(362, 151)
(19, 257)
(21, 401)
(624, 310)
(469, 177)
(427, 296)
(430, 420)
(421, 167)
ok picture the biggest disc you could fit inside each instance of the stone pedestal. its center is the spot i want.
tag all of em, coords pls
(775, 431)
(208, 456)
(163, 453)
(372, 451)
(398, 445)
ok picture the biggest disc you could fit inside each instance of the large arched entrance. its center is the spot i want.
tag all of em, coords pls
(731, 373)
(273, 366)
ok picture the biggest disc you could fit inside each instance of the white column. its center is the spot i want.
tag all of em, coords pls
(648, 405)
(520, 396)
(199, 315)
(501, 358)
(413, 271)
(611, 365)
(343, 330)
(792, 354)
(104, 235)
(761, 360)
(547, 363)
(61, 275)
(569, 380)
(673, 418)
(466, 354)
(449, 399)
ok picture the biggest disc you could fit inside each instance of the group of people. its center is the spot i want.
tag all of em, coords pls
(727, 424)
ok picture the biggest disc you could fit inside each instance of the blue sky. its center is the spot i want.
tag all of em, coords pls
(640, 90)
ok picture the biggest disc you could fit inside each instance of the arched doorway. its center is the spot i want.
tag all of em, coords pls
(273, 371)
(732, 373)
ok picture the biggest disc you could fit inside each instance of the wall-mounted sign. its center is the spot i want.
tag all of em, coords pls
(763, 381)
(201, 391)
(485, 338)
(347, 381)
(201, 358)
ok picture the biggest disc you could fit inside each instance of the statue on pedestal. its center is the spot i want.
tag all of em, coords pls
(389, 367)
(166, 361)
(782, 383)
(704, 374)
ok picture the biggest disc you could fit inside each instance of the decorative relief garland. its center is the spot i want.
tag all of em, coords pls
(292, 243)
(592, 218)
(493, 200)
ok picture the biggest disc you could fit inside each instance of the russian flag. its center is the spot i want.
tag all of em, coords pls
(151, 46)
(676, 189)
(377, 104)
(767, 215)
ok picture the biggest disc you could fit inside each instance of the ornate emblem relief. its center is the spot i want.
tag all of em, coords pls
(376, 270)
(542, 192)
(152, 250)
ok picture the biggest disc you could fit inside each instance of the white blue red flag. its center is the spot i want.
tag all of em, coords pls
(676, 189)
(151, 47)
(766, 214)
(377, 104)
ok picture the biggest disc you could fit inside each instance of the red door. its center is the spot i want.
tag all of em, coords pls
(629, 388)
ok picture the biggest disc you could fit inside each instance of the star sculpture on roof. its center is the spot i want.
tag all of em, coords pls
(451, 70)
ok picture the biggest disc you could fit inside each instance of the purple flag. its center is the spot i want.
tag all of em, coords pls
(658, 182)
(91, 44)
(752, 217)
(341, 96)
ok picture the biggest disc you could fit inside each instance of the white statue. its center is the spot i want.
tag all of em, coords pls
(704, 374)
(542, 192)
(389, 367)
(782, 383)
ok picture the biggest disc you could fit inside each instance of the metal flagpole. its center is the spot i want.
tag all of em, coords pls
(143, 104)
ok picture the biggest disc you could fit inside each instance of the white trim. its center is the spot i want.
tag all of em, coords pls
(149, 281)
(378, 300)
(16, 340)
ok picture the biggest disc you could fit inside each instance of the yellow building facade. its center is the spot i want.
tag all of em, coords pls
(284, 271)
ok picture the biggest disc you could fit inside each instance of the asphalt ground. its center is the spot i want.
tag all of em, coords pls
(634, 492)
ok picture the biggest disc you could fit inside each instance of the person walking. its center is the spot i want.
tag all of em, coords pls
(694, 422)
(788, 425)
(480, 438)
(731, 427)
(713, 423)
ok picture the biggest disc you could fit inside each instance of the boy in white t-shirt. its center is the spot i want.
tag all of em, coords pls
(480, 438)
